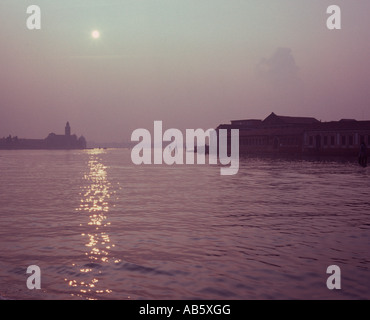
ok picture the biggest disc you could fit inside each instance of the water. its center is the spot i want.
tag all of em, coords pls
(101, 228)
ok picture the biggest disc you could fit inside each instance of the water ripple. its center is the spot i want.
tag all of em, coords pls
(102, 228)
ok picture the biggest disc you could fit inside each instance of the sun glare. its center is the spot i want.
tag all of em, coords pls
(95, 34)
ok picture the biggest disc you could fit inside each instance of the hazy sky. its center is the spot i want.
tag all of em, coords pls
(189, 63)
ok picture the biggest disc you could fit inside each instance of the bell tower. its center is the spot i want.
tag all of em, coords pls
(68, 129)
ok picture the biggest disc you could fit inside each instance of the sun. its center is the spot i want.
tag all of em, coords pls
(95, 34)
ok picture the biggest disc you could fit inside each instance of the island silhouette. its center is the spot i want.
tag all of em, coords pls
(52, 141)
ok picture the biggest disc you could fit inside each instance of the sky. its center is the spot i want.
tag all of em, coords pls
(190, 63)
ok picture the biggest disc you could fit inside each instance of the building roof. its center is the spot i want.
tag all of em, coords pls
(247, 121)
(340, 126)
(272, 132)
(285, 125)
(274, 119)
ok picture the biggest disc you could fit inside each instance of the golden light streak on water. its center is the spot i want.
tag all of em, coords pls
(95, 204)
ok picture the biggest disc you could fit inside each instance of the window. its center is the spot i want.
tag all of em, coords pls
(325, 141)
(362, 139)
(311, 141)
(332, 140)
(350, 140)
(344, 140)
(368, 140)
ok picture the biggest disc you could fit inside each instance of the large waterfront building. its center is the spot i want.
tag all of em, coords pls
(300, 136)
(53, 141)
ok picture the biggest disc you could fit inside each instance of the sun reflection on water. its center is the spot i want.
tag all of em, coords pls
(97, 242)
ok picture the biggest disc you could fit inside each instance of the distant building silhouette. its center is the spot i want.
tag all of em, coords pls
(68, 129)
(53, 141)
(300, 136)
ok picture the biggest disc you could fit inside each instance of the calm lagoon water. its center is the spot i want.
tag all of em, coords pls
(101, 228)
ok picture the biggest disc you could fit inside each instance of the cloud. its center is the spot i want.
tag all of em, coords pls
(281, 86)
(280, 69)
